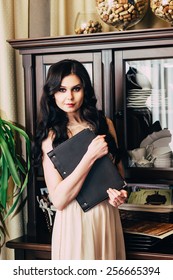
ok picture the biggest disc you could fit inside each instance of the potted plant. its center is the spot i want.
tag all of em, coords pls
(14, 170)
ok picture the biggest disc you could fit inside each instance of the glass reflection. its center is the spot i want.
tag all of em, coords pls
(149, 102)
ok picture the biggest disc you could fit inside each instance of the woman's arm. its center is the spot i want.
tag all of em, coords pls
(114, 135)
(116, 197)
(63, 191)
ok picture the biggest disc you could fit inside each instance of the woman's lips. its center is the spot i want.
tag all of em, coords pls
(69, 104)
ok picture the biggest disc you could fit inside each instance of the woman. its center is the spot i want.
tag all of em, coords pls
(68, 105)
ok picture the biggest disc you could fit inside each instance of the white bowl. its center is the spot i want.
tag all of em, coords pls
(161, 151)
(143, 81)
(162, 160)
(163, 163)
(137, 154)
(160, 165)
(164, 156)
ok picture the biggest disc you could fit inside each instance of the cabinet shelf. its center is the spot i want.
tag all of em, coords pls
(155, 175)
(147, 208)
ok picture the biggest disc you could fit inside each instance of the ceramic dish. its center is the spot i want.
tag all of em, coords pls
(161, 151)
(142, 105)
(166, 164)
(140, 90)
(165, 133)
(136, 101)
(137, 97)
(143, 81)
(140, 93)
(162, 142)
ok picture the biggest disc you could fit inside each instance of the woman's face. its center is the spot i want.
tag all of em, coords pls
(70, 96)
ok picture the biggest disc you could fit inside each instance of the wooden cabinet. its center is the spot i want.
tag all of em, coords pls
(105, 56)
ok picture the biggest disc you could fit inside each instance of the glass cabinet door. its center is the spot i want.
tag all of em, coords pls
(147, 107)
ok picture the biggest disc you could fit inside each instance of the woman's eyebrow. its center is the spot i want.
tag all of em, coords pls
(72, 86)
(78, 85)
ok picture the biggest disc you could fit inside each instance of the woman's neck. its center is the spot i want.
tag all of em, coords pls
(74, 119)
(75, 127)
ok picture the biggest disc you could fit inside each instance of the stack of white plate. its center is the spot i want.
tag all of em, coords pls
(163, 161)
(137, 98)
(158, 139)
(158, 146)
(163, 157)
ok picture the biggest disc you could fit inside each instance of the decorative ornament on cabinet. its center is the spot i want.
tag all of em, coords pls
(163, 9)
(87, 23)
(122, 14)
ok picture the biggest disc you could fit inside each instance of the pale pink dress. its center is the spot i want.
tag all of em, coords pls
(93, 235)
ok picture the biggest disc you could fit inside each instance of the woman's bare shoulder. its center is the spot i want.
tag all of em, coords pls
(109, 121)
(111, 128)
(110, 124)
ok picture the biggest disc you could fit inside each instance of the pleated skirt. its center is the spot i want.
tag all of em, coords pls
(93, 235)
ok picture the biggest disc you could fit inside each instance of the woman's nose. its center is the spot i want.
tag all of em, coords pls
(69, 94)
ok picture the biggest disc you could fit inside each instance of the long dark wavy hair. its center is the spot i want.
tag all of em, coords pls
(51, 117)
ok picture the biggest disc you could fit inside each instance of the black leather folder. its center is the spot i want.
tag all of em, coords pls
(102, 175)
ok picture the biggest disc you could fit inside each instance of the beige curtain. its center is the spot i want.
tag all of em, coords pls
(13, 25)
(64, 12)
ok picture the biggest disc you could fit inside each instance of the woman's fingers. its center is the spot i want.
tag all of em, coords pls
(98, 146)
(116, 197)
(123, 193)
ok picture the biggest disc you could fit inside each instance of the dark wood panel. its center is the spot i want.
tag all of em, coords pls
(24, 249)
(148, 256)
(107, 40)
(28, 248)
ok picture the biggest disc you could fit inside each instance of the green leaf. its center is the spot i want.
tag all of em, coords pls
(12, 164)
(26, 137)
(4, 184)
(18, 197)
(9, 161)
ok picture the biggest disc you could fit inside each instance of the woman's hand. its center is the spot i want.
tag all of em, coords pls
(116, 198)
(98, 147)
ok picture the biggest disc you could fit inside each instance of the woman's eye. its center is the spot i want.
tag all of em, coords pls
(61, 90)
(77, 89)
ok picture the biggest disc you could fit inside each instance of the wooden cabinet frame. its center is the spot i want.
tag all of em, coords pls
(107, 53)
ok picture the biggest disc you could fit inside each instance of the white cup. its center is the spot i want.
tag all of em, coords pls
(137, 154)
